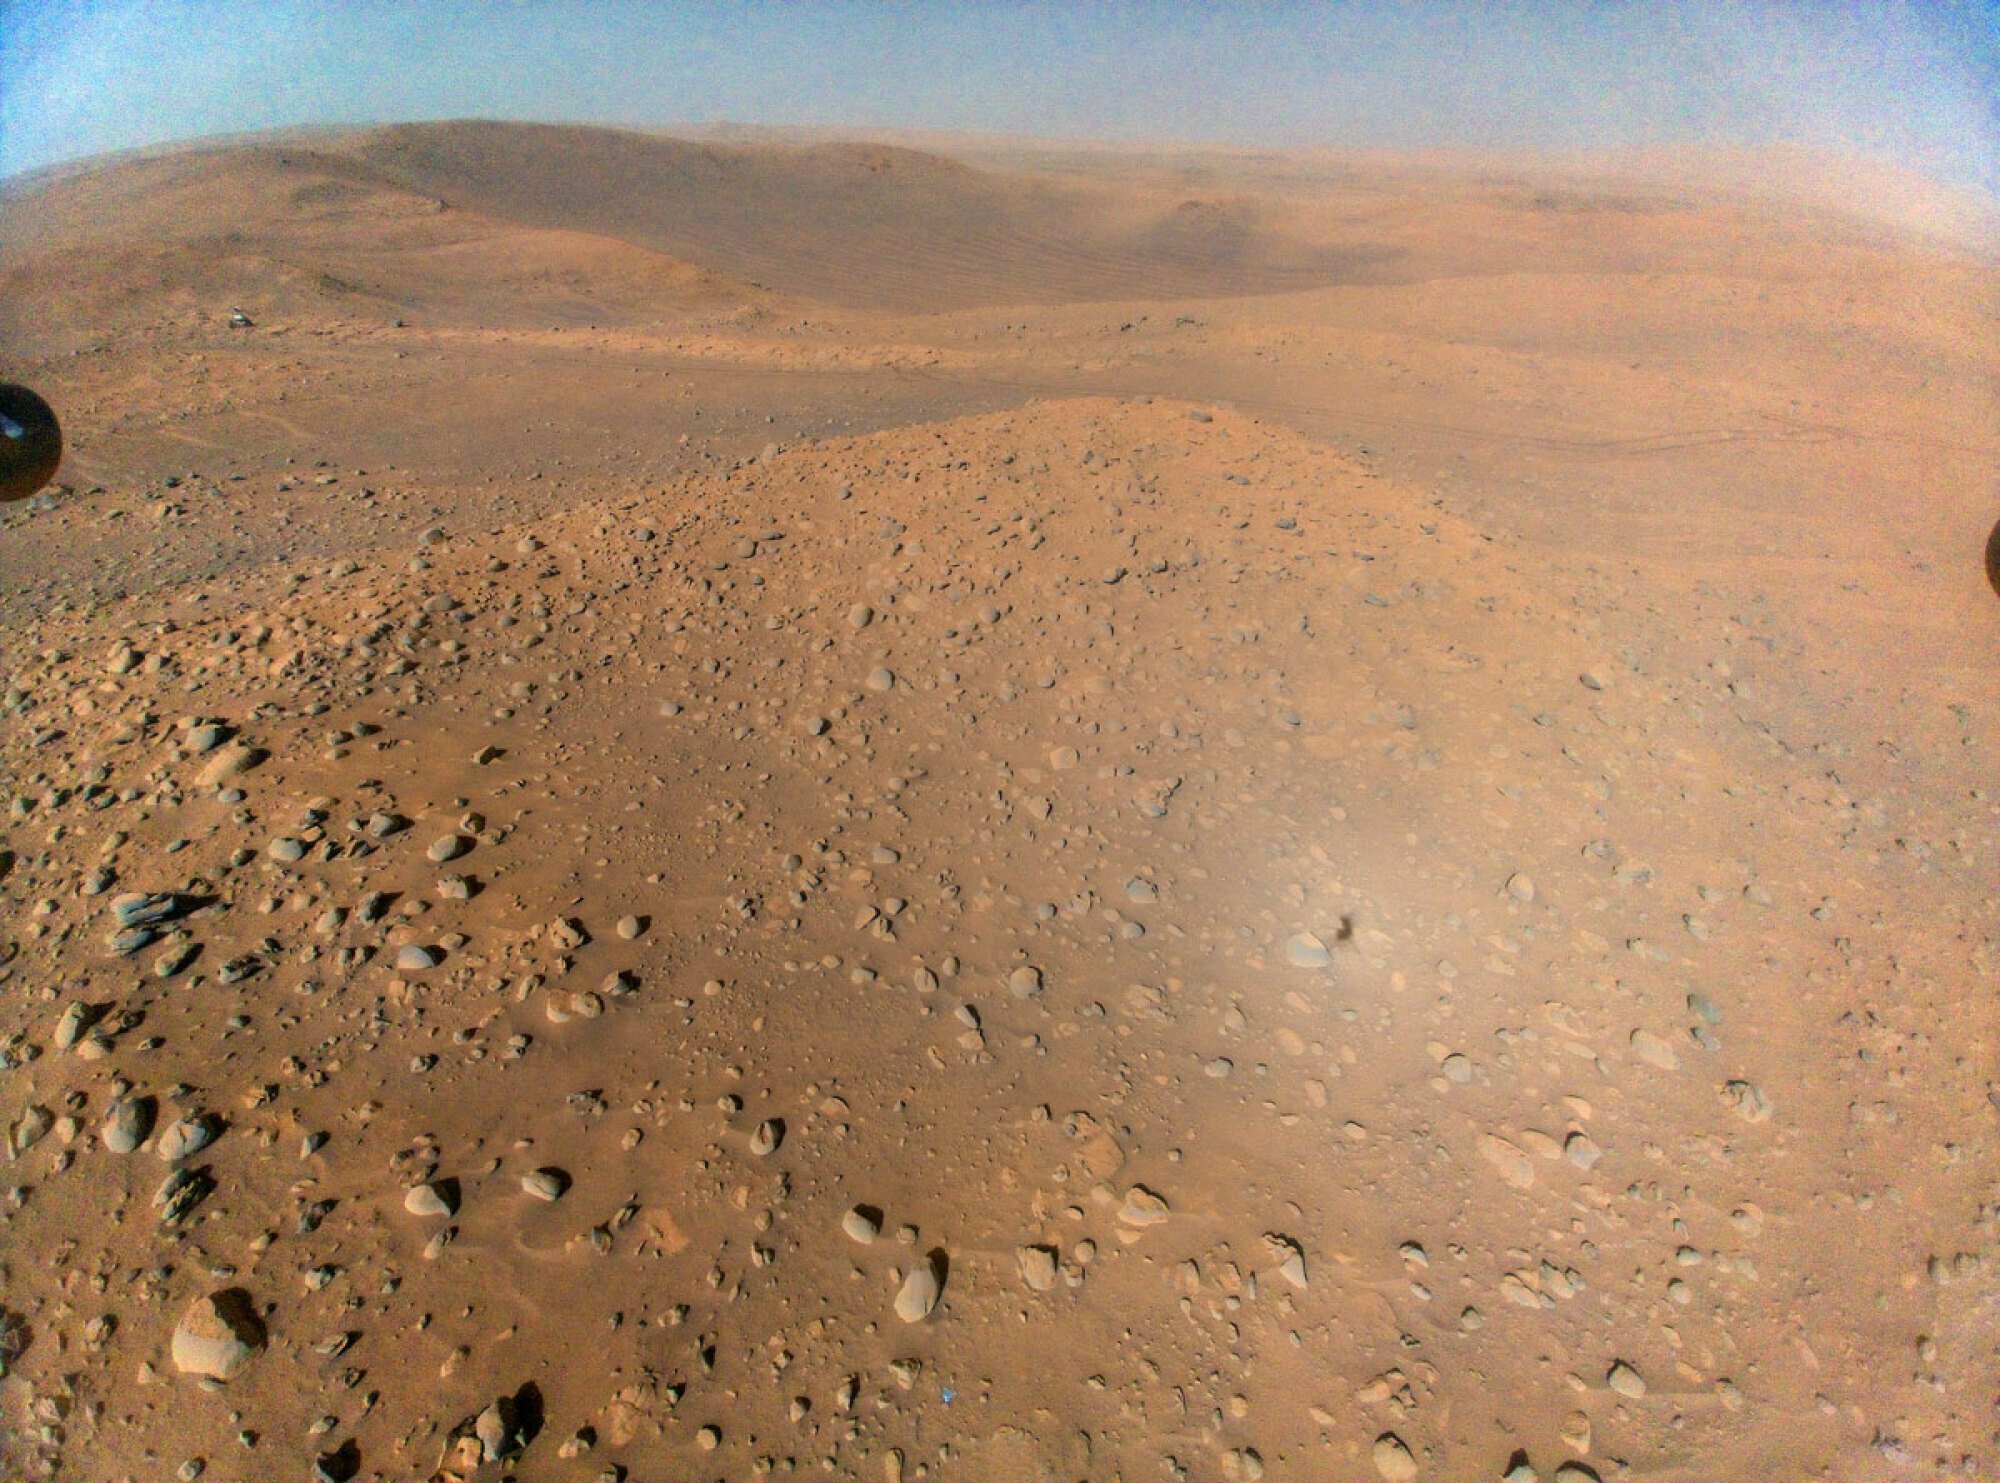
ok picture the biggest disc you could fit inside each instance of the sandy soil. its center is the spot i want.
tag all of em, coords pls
(715, 808)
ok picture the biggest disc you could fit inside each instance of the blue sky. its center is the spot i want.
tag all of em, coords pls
(1918, 84)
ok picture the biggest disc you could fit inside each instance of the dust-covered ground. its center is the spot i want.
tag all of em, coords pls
(719, 809)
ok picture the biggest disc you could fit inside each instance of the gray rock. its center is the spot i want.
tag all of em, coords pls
(1304, 950)
(144, 908)
(187, 1136)
(32, 1128)
(128, 1123)
(545, 1184)
(75, 1021)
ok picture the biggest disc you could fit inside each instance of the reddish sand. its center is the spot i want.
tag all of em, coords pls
(1470, 690)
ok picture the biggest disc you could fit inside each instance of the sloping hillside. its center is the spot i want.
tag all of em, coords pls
(1106, 912)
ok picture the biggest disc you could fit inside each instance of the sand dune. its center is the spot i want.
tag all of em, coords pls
(722, 807)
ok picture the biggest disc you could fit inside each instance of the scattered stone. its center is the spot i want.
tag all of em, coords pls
(1304, 950)
(1747, 1100)
(432, 1200)
(341, 1465)
(1514, 1165)
(145, 908)
(129, 1121)
(415, 958)
(1038, 1266)
(31, 1128)
(1627, 1381)
(75, 1022)
(187, 1136)
(237, 969)
(218, 1335)
(181, 1192)
(1654, 1050)
(495, 1433)
(1025, 982)
(919, 1292)
(1142, 1208)
(1289, 1256)
(1392, 1459)
(231, 761)
(545, 1184)
(861, 1224)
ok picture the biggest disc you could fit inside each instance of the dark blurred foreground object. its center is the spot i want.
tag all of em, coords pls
(30, 442)
(1993, 557)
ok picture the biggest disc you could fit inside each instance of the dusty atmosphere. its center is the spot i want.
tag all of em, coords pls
(686, 809)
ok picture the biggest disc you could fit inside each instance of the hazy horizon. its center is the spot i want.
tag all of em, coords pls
(1913, 85)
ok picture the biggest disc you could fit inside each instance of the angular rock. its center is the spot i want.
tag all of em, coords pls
(218, 1335)
(1038, 1266)
(1142, 1208)
(187, 1136)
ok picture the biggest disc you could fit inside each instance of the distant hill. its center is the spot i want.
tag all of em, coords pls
(586, 222)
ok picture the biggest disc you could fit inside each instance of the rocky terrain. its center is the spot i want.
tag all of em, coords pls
(996, 906)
